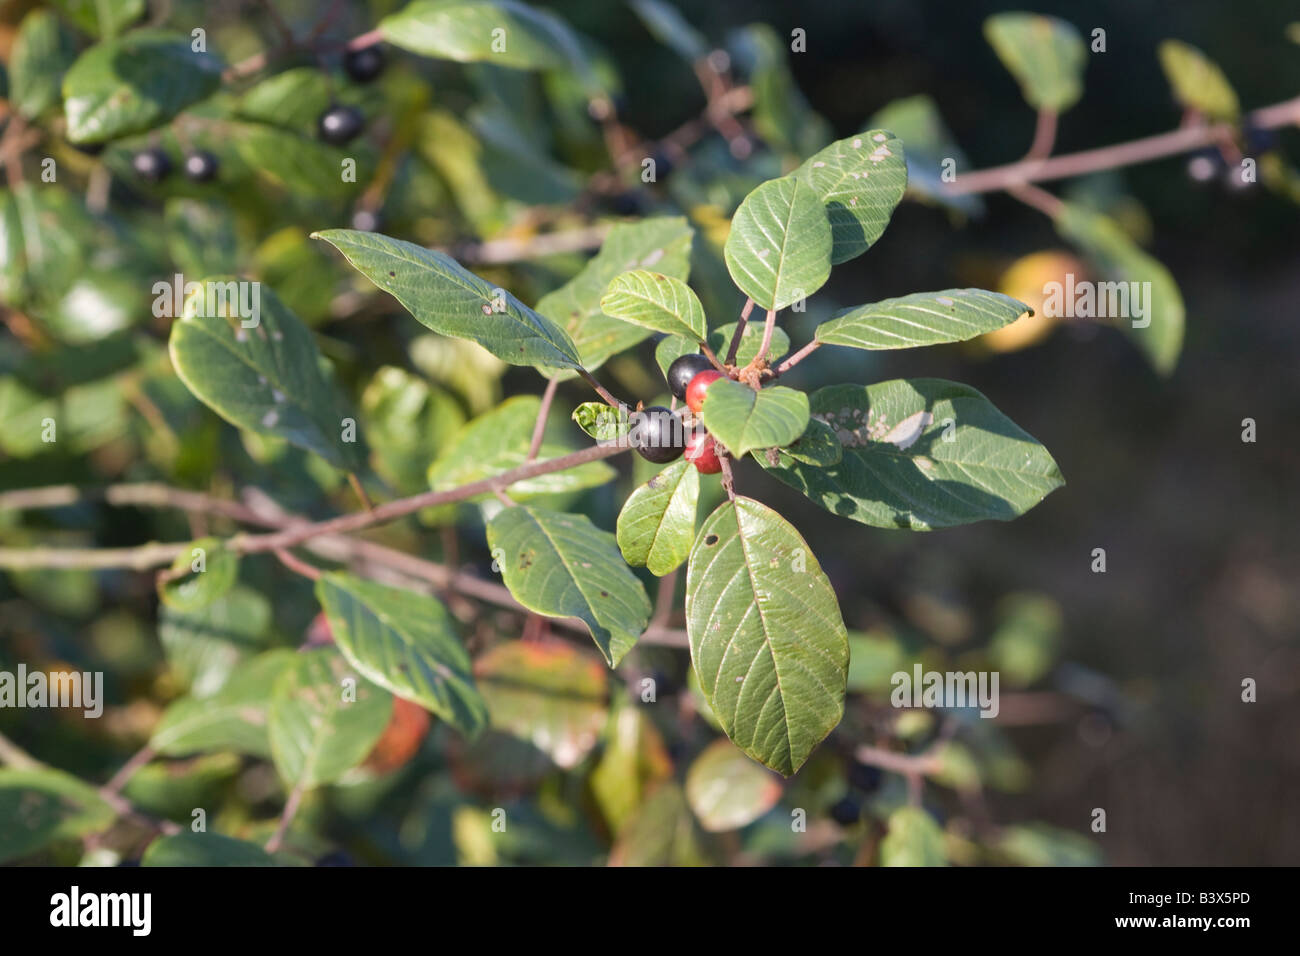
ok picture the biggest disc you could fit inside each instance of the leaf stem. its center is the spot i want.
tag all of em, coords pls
(600, 389)
(297, 565)
(539, 427)
(1044, 136)
(360, 491)
(766, 344)
(290, 811)
(740, 331)
(797, 357)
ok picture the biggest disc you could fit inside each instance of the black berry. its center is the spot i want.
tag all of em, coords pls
(340, 124)
(657, 434)
(365, 64)
(683, 370)
(846, 812)
(152, 165)
(200, 166)
(865, 778)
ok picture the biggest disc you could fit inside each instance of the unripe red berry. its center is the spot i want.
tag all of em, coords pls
(699, 384)
(702, 452)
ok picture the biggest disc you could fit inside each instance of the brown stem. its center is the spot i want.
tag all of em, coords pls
(297, 565)
(797, 357)
(766, 344)
(290, 811)
(128, 769)
(539, 427)
(740, 331)
(712, 357)
(1044, 136)
(600, 389)
(728, 479)
(1040, 199)
(360, 491)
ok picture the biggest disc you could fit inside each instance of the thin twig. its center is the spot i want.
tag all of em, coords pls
(297, 565)
(128, 769)
(766, 344)
(539, 427)
(797, 357)
(360, 491)
(1044, 135)
(740, 331)
(286, 817)
(600, 389)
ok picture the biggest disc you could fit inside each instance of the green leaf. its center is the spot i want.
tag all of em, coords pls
(743, 419)
(552, 695)
(662, 244)
(914, 839)
(408, 421)
(451, 300)
(662, 833)
(899, 469)
(135, 83)
(200, 586)
(860, 180)
(562, 565)
(497, 31)
(201, 237)
(767, 640)
(1027, 639)
(203, 645)
(294, 161)
(673, 347)
(498, 441)
(234, 718)
(406, 643)
(1046, 55)
(1117, 259)
(601, 421)
(657, 524)
(204, 849)
(40, 806)
(99, 18)
(1039, 844)
(779, 247)
(727, 790)
(923, 318)
(267, 378)
(667, 25)
(41, 51)
(632, 763)
(818, 445)
(657, 302)
(316, 734)
(927, 142)
(1198, 82)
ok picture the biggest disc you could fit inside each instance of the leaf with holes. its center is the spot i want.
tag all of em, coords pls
(662, 244)
(1132, 282)
(657, 523)
(767, 640)
(923, 318)
(861, 180)
(1046, 55)
(406, 643)
(552, 695)
(743, 419)
(449, 299)
(922, 454)
(779, 247)
(324, 718)
(261, 370)
(727, 790)
(135, 83)
(1198, 82)
(655, 301)
(562, 565)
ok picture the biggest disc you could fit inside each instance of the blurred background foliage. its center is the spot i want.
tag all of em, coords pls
(1119, 690)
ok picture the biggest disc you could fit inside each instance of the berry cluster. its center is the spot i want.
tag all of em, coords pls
(662, 435)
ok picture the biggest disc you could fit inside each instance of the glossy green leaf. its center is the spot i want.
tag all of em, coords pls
(901, 470)
(41, 51)
(1128, 276)
(135, 83)
(40, 806)
(914, 839)
(324, 719)
(451, 300)
(743, 419)
(551, 695)
(208, 570)
(234, 718)
(266, 377)
(779, 247)
(655, 301)
(406, 643)
(204, 849)
(727, 790)
(1046, 55)
(818, 445)
(498, 441)
(860, 180)
(1197, 81)
(498, 31)
(923, 318)
(204, 644)
(562, 565)
(767, 640)
(661, 243)
(601, 421)
(657, 524)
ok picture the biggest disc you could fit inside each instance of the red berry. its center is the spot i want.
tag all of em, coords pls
(695, 390)
(702, 451)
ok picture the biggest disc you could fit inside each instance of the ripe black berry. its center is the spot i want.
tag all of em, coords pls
(657, 434)
(152, 164)
(365, 64)
(340, 124)
(846, 812)
(683, 370)
(200, 166)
